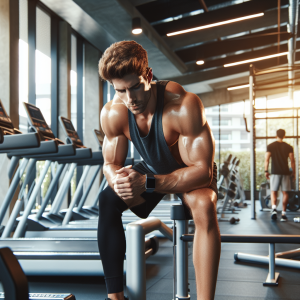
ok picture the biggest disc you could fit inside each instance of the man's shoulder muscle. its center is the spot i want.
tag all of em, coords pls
(114, 118)
(183, 109)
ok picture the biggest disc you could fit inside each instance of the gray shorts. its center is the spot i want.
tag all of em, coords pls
(280, 180)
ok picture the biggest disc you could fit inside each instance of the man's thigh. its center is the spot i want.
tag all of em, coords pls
(198, 202)
(275, 182)
(286, 183)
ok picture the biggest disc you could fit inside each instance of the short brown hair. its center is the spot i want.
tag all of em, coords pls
(122, 58)
(280, 133)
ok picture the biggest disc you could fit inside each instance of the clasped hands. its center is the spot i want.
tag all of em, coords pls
(129, 183)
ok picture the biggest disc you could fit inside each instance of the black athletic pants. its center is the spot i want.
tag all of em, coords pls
(111, 235)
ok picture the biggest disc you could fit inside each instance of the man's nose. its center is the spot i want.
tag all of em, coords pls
(130, 96)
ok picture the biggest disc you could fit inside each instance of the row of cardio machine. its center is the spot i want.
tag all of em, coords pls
(55, 241)
(231, 194)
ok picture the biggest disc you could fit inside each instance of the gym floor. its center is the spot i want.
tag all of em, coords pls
(235, 280)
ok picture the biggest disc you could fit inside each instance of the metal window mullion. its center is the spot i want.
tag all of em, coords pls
(31, 50)
(54, 75)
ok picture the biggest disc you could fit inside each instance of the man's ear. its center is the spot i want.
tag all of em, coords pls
(150, 75)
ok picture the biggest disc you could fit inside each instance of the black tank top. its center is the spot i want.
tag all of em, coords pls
(153, 147)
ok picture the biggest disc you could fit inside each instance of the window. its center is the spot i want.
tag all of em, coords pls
(23, 63)
(43, 63)
(74, 80)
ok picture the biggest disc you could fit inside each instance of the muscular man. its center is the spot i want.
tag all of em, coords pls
(280, 152)
(167, 126)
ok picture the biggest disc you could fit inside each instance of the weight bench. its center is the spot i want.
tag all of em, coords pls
(180, 218)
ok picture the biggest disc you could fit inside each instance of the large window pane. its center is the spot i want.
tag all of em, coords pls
(74, 80)
(43, 63)
(23, 63)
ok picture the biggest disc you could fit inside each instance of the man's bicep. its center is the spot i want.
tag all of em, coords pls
(291, 156)
(268, 155)
(197, 150)
(115, 150)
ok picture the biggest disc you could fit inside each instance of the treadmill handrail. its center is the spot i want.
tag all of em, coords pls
(20, 141)
(46, 147)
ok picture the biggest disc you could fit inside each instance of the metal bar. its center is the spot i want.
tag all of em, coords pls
(135, 254)
(76, 197)
(258, 239)
(260, 110)
(22, 223)
(12, 188)
(274, 137)
(252, 143)
(52, 185)
(268, 118)
(63, 190)
(12, 219)
(88, 189)
(281, 262)
(181, 260)
(272, 261)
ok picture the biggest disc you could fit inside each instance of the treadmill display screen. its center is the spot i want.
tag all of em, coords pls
(37, 118)
(3, 115)
(71, 132)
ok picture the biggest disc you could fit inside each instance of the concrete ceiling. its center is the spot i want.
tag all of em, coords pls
(107, 21)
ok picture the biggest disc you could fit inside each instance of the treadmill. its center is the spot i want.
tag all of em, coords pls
(13, 139)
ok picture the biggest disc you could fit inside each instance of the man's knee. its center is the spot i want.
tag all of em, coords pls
(202, 203)
(109, 200)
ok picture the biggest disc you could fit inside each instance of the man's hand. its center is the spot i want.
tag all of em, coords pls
(267, 174)
(128, 183)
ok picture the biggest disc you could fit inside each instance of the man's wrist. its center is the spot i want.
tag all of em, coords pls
(266, 171)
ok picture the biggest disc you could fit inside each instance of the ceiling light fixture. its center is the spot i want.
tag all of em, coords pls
(200, 62)
(136, 26)
(215, 24)
(237, 87)
(255, 59)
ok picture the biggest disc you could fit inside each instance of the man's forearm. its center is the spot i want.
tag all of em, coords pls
(183, 180)
(266, 164)
(293, 166)
(109, 172)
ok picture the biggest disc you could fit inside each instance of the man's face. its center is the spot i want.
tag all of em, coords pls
(134, 91)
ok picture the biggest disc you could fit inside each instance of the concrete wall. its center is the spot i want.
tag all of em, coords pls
(93, 105)
(9, 74)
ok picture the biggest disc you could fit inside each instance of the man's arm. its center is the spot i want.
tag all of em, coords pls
(267, 159)
(291, 156)
(115, 144)
(196, 147)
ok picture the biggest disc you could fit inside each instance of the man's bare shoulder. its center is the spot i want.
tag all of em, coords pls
(114, 118)
(183, 107)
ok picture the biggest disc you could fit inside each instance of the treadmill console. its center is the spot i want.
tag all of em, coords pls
(6, 124)
(71, 133)
(38, 122)
(99, 137)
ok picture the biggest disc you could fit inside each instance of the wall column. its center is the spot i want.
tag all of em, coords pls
(64, 76)
(9, 75)
(92, 107)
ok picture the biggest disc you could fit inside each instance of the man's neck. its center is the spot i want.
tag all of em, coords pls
(279, 140)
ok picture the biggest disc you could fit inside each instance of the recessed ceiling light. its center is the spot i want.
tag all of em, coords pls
(215, 24)
(255, 59)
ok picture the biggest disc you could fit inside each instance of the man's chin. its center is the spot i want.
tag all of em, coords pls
(137, 111)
